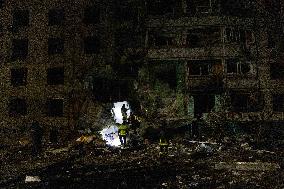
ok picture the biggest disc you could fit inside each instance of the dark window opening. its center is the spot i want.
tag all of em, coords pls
(271, 41)
(249, 37)
(243, 102)
(164, 72)
(128, 39)
(277, 70)
(234, 66)
(232, 35)
(17, 106)
(20, 18)
(55, 76)
(92, 45)
(160, 40)
(19, 77)
(202, 67)
(20, 49)
(203, 37)
(55, 107)
(2, 3)
(278, 103)
(127, 12)
(203, 103)
(238, 8)
(160, 7)
(91, 15)
(55, 46)
(55, 17)
(198, 6)
(245, 68)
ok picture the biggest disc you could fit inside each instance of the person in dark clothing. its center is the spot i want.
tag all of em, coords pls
(124, 111)
(195, 127)
(36, 135)
(53, 135)
(134, 121)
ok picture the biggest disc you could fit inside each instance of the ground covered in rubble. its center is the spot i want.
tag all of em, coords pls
(187, 165)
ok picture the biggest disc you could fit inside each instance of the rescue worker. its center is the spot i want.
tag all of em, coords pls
(124, 111)
(123, 132)
(36, 135)
(163, 142)
(134, 121)
(195, 127)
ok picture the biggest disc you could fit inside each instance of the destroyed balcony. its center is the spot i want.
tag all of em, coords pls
(181, 52)
(184, 52)
(206, 20)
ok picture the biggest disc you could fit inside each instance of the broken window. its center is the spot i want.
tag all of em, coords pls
(203, 37)
(278, 103)
(19, 76)
(55, 46)
(246, 102)
(235, 66)
(55, 17)
(55, 76)
(91, 15)
(277, 70)
(54, 107)
(160, 39)
(160, 7)
(201, 67)
(17, 106)
(20, 49)
(232, 35)
(91, 45)
(20, 18)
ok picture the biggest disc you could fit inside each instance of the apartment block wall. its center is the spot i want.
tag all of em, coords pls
(76, 62)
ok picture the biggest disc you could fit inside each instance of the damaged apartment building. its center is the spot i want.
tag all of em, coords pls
(222, 55)
(47, 49)
(174, 58)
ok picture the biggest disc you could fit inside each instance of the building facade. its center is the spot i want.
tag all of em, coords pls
(48, 48)
(185, 57)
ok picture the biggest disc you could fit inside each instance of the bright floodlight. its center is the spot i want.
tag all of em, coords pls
(116, 110)
(110, 135)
